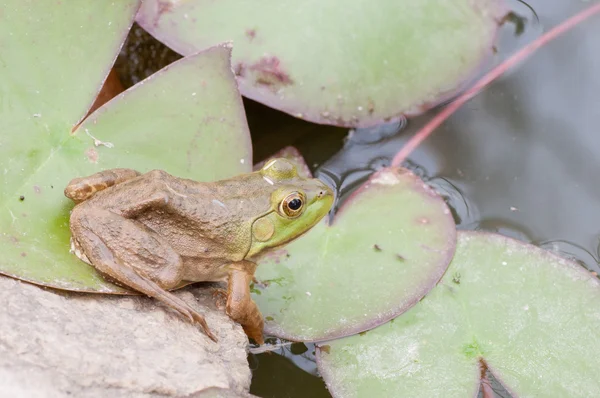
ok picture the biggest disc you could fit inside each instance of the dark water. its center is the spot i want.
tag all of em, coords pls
(521, 159)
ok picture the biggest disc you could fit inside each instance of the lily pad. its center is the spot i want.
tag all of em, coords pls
(187, 119)
(386, 248)
(525, 314)
(351, 63)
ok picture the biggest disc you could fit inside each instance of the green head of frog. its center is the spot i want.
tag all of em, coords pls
(296, 205)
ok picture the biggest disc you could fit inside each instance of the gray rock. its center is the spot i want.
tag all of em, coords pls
(215, 392)
(58, 344)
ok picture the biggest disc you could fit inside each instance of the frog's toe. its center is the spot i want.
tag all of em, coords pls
(255, 335)
(199, 319)
(187, 314)
(211, 335)
(196, 318)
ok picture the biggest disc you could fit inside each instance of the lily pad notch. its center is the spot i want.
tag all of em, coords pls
(196, 96)
(362, 277)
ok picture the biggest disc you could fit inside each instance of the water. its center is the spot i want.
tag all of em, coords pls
(521, 159)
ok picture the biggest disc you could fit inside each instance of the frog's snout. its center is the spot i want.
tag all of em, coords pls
(323, 193)
(323, 190)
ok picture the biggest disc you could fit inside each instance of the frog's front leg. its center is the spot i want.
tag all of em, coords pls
(240, 306)
(83, 188)
(132, 254)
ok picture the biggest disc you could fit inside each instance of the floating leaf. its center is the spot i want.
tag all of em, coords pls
(529, 316)
(187, 119)
(351, 63)
(387, 247)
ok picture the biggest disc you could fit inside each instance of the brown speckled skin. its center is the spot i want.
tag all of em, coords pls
(153, 232)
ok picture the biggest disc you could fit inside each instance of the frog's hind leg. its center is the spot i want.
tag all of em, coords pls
(134, 255)
(83, 188)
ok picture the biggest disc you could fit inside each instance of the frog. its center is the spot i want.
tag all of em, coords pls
(154, 232)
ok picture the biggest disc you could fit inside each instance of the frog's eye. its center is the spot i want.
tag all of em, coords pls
(292, 205)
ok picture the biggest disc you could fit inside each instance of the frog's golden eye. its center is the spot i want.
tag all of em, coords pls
(292, 205)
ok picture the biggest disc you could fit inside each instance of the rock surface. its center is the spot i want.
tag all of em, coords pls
(215, 392)
(58, 344)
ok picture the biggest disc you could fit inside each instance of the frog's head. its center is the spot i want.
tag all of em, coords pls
(296, 205)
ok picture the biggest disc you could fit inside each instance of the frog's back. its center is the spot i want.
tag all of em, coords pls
(210, 220)
(209, 223)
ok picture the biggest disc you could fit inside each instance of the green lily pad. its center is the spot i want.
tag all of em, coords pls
(386, 248)
(527, 315)
(351, 63)
(55, 57)
(187, 119)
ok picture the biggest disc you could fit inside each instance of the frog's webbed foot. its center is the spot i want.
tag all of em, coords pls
(117, 247)
(83, 188)
(240, 306)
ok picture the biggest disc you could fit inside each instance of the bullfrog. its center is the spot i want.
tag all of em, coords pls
(154, 232)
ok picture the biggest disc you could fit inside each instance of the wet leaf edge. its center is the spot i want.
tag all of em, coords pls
(496, 8)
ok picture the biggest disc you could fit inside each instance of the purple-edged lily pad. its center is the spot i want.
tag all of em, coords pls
(386, 248)
(350, 63)
(525, 314)
(187, 119)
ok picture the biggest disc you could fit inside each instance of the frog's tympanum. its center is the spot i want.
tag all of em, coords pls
(154, 232)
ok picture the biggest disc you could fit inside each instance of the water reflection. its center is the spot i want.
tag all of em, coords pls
(375, 134)
(465, 213)
(279, 376)
(574, 252)
(504, 227)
